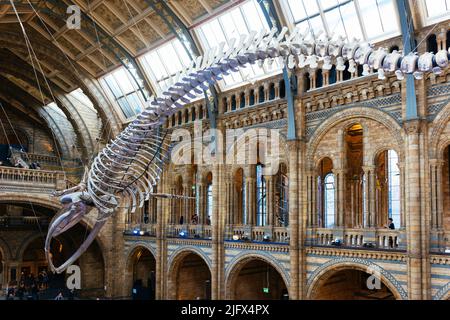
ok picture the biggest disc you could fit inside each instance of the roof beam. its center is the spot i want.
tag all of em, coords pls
(407, 27)
(206, 6)
(122, 54)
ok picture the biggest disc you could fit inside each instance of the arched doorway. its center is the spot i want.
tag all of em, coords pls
(190, 278)
(141, 283)
(256, 279)
(350, 284)
(33, 264)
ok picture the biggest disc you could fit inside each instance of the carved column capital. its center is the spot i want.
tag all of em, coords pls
(412, 126)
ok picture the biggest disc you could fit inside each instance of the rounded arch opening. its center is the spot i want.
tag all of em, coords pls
(189, 277)
(255, 278)
(351, 282)
(141, 274)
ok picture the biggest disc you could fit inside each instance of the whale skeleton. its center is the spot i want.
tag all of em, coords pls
(124, 174)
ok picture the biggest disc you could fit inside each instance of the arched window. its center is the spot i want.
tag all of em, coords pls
(261, 199)
(233, 102)
(319, 78)
(282, 89)
(242, 101)
(271, 91)
(346, 75)
(329, 200)
(282, 208)
(432, 45)
(173, 120)
(307, 82)
(252, 97)
(261, 94)
(393, 187)
(332, 75)
(193, 114)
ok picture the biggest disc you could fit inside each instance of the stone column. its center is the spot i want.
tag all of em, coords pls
(270, 195)
(201, 203)
(294, 217)
(372, 198)
(250, 200)
(162, 217)
(414, 221)
(277, 90)
(366, 197)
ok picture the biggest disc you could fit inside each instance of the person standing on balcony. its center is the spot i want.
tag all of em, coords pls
(391, 224)
(181, 219)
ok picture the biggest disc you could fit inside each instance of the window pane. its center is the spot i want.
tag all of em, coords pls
(238, 21)
(124, 81)
(436, 8)
(164, 62)
(342, 18)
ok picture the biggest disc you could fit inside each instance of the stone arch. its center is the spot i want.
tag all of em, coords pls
(239, 261)
(437, 142)
(385, 147)
(322, 157)
(42, 200)
(130, 260)
(346, 116)
(339, 264)
(443, 293)
(174, 263)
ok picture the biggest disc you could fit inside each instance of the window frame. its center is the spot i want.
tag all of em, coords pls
(287, 11)
(205, 45)
(104, 83)
(426, 19)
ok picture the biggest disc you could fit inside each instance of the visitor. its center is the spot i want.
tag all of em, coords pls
(208, 220)
(391, 224)
(181, 220)
(194, 219)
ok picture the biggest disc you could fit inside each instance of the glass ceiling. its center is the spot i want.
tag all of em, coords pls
(369, 20)
(437, 10)
(238, 21)
(164, 62)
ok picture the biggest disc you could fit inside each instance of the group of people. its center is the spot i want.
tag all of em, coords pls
(28, 286)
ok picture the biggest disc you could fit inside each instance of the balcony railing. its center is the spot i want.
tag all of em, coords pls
(190, 231)
(28, 180)
(378, 238)
(258, 234)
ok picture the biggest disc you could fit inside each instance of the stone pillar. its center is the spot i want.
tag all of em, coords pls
(162, 218)
(437, 232)
(277, 90)
(414, 221)
(217, 229)
(366, 198)
(250, 194)
(201, 202)
(294, 216)
(247, 97)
